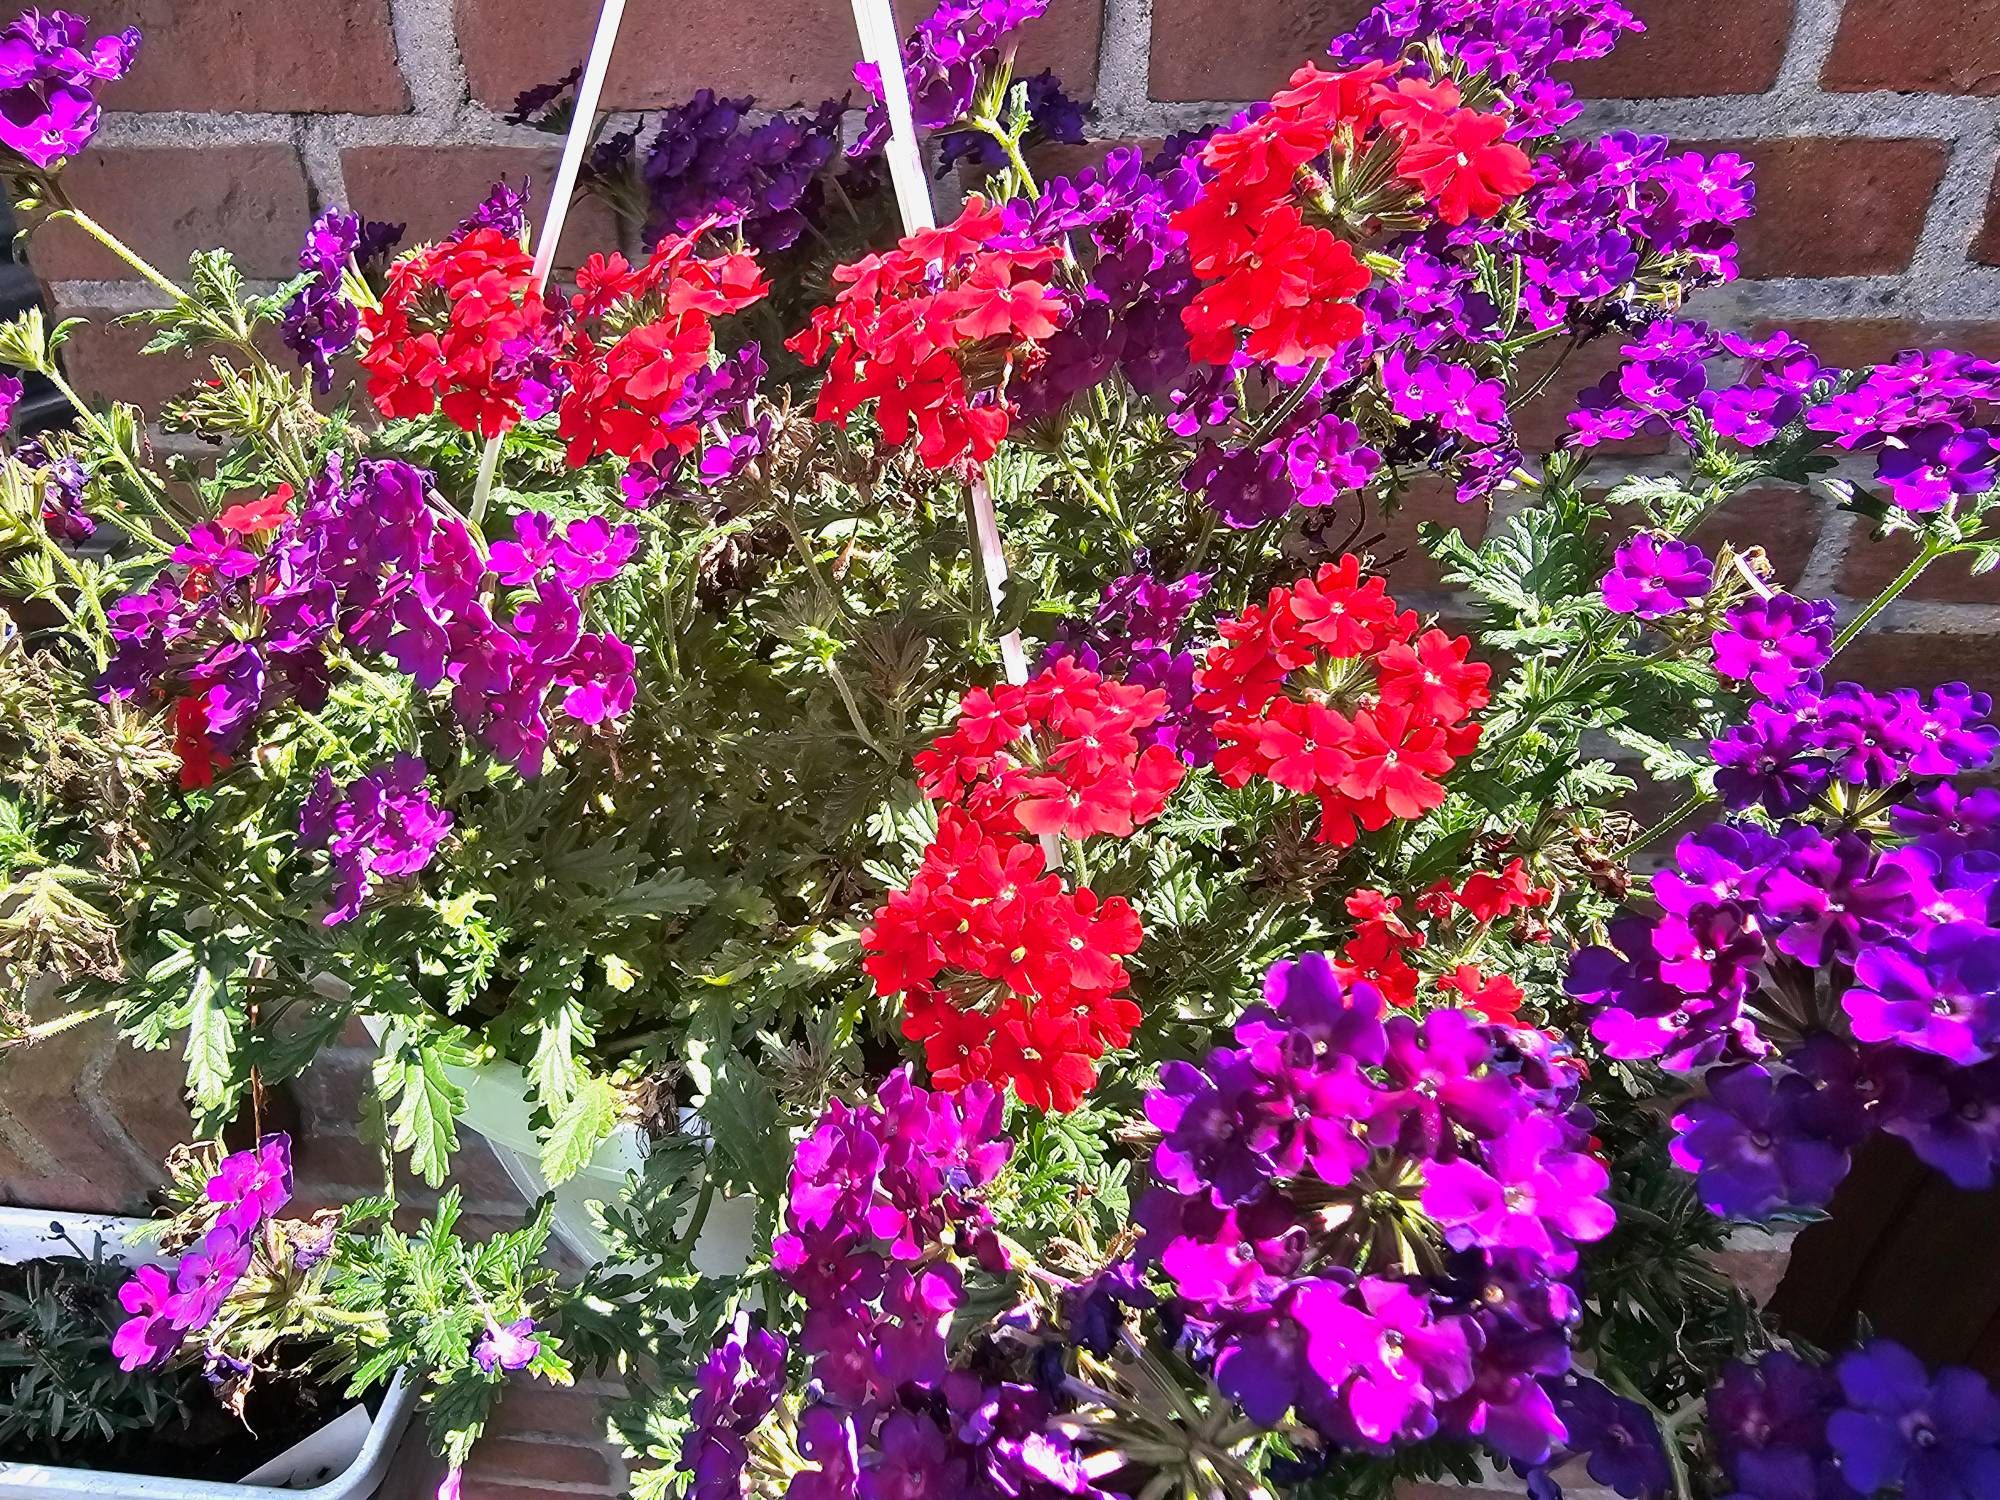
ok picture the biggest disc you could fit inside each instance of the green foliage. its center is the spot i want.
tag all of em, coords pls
(60, 1386)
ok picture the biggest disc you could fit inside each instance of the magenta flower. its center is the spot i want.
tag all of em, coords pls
(1652, 577)
(207, 1275)
(1532, 1194)
(149, 1336)
(253, 1185)
(513, 1347)
(382, 826)
(48, 103)
(1775, 643)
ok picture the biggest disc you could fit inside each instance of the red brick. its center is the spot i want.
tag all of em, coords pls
(1885, 659)
(540, 1461)
(1392, 539)
(102, 358)
(1859, 341)
(168, 201)
(1836, 206)
(1933, 46)
(533, 1409)
(1692, 48)
(304, 56)
(785, 52)
(141, 1093)
(42, 1091)
(1985, 248)
(431, 188)
(1872, 562)
(1240, 49)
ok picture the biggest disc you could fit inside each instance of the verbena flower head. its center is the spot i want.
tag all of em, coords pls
(381, 826)
(711, 165)
(511, 1346)
(1774, 643)
(1652, 577)
(253, 1185)
(736, 1388)
(49, 73)
(1331, 692)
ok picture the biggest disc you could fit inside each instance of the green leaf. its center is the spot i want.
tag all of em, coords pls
(743, 1116)
(424, 1103)
(211, 1041)
(584, 1124)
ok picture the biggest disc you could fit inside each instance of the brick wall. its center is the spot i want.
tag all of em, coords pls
(1873, 123)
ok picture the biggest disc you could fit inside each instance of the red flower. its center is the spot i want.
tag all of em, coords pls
(1005, 973)
(1463, 166)
(622, 387)
(253, 516)
(1489, 896)
(1058, 755)
(199, 758)
(1496, 997)
(930, 332)
(1328, 690)
(450, 334)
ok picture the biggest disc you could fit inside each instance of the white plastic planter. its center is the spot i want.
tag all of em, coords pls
(345, 1460)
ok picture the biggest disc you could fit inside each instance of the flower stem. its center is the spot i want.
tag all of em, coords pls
(1928, 554)
(117, 247)
(149, 488)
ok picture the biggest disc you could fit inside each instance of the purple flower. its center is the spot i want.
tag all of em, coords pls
(1452, 396)
(1949, 1115)
(711, 165)
(1384, 1360)
(1750, 1148)
(48, 103)
(736, 1388)
(206, 1276)
(253, 1185)
(1532, 1193)
(1774, 643)
(1620, 1439)
(383, 825)
(11, 391)
(512, 1347)
(1769, 1423)
(1932, 1438)
(149, 1336)
(1937, 991)
(503, 209)
(1653, 577)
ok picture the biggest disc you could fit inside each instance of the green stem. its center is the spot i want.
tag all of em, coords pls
(1928, 554)
(1687, 809)
(56, 1025)
(150, 489)
(118, 248)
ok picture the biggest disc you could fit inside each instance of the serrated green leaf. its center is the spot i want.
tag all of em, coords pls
(211, 1040)
(585, 1123)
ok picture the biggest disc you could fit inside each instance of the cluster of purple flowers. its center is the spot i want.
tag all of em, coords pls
(374, 565)
(736, 1388)
(506, 1346)
(1138, 634)
(1127, 315)
(946, 57)
(320, 322)
(1880, 874)
(1667, 382)
(1875, 1422)
(378, 827)
(710, 164)
(1299, 1166)
(883, 1221)
(1927, 416)
(49, 72)
(248, 1188)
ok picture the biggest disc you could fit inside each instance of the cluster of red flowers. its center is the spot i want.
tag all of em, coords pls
(454, 331)
(1285, 281)
(1006, 973)
(1330, 691)
(1383, 939)
(930, 331)
(621, 389)
(1059, 755)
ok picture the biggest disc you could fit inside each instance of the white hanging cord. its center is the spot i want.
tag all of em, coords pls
(588, 93)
